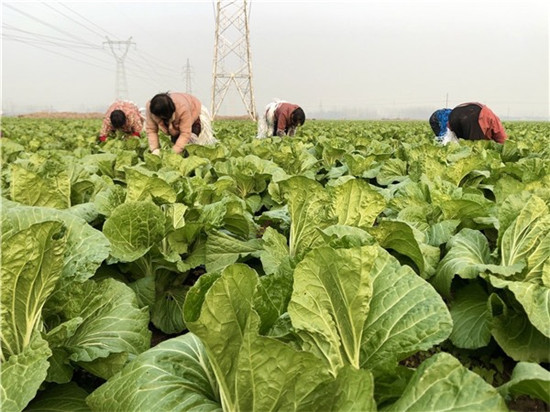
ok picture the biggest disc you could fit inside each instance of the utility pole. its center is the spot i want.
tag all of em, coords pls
(188, 80)
(120, 50)
(232, 60)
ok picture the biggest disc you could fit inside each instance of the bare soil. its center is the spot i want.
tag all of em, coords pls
(62, 115)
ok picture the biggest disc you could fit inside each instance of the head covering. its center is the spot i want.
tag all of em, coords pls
(439, 120)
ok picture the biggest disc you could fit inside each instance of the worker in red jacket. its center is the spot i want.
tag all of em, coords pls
(280, 119)
(469, 121)
(122, 115)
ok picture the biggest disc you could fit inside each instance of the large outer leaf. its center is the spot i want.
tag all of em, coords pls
(471, 318)
(275, 250)
(60, 398)
(522, 237)
(456, 171)
(33, 190)
(32, 261)
(393, 170)
(230, 214)
(399, 236)
(466, 250)
(406, 315)
(357, 204)
(534, 298)
(272, 297)
(309, 209)
(86, 247)
(442, 383)
(353, 390)
(133, 228)
(22, 374)
(256, 372)
(167, 311)
(273, 376)
(516, 335)
(111, 320)
(330, 302)
(173, 376)
(144, 185)
(218, 316)
(109, 198)
(466, 209)
(223, 250)
(528, 379)
(538, 263)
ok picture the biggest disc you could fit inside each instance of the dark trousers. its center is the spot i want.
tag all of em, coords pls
(196, 129)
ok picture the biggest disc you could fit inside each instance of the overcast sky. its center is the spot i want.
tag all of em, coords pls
(341, 59)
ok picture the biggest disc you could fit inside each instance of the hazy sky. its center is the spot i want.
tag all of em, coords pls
(355, 59)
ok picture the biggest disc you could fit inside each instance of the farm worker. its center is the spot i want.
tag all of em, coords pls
(182, 117)
(280, 119)
(122, 115)
(469, 121)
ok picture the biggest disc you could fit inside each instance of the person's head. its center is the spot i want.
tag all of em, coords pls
(298, 117)
(162, 106)
(118, 119)
(439, 120)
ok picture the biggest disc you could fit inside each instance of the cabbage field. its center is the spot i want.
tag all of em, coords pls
(358, 266)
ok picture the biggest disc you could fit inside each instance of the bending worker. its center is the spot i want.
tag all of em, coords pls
(121, 115)
(469, 121)
(182, 117)
(280, 119)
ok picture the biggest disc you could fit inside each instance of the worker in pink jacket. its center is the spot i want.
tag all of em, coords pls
(182, 117)
(122, 115)
(469, 121)
(280, 119)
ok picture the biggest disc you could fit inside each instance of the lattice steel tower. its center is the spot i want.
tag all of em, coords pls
(232, 60)
(120, 52)
(188, 78)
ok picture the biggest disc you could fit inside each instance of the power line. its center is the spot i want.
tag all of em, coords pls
(70, 18)
(89, 21)
(53, 39)
(141, 69)
(70, 35)
(159, 64)
(41, 41)
(61, 54)
(75, 59)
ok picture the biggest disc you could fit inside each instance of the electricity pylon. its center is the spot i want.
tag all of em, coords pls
(188, 79)
(232, 60)
(120, 52)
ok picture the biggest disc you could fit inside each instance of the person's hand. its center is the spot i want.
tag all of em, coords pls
(102, 138)
(136, 134)
(156, 152)
(280, 133)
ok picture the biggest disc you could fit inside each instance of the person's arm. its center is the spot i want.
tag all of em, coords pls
(106, 128)
(135, 121)
(281, 124)
(499, 134)
(282, 120)
(491, 125)
(185, 125)
(152, 129)
(292, 131)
